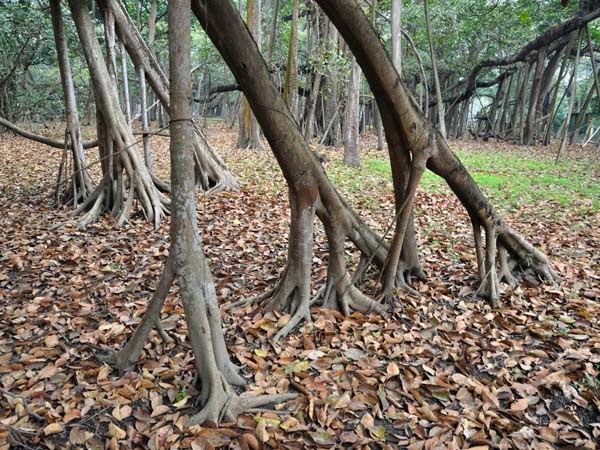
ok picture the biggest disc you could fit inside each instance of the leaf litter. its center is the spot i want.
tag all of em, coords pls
(443, 371)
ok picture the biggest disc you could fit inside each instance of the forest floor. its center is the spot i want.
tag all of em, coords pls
(442, 371)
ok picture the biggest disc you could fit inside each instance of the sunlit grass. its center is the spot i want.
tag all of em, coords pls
(509, 179)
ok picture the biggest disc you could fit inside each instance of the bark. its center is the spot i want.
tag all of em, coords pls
(120, 155)
(376, 115)
(126, 97)
(249, 131)
(436, 80)
(529, 133)
(80, 185)
(273, 34)
(426, 143)
(310, 190)
(331, 136)
(351, 149)
(186, 261)
(396, 19)
(211, 172)
(144, 113)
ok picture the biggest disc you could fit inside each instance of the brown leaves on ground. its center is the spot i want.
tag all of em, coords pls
(443, 371)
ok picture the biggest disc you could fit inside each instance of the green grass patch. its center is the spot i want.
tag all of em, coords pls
(509, 179)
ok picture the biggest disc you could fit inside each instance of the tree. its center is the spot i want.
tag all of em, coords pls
(351, 125)
(124, 174)
(428, 148)
(310, 191)
(211, 172)
(78, 188)
(436, 78)
(186, 261)
(249, 132)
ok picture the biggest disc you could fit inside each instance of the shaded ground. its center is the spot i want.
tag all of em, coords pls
(444, 370)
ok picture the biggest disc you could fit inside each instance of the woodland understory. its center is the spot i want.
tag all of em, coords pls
(443, 367)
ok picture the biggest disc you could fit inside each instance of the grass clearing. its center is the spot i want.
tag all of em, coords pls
(509, 179)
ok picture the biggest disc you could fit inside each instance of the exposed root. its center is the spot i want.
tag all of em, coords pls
(224, 405)
(340, 292)
(506, 267)
(503, 252)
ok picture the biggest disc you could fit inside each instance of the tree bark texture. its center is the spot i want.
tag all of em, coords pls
(120, 152)
(400, 111)
(211, 172)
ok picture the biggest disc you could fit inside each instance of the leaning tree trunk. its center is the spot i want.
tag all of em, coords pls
(80, 185)
(310, 190)
(186, 262)
(210, 170)
(426, 144)
(115, 193)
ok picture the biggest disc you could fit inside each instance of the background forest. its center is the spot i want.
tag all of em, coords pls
(299, 224)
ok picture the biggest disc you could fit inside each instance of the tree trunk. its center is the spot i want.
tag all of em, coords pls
(438, 90)
(113, 193)
(80, 185)
(186, 260)
(249, 131)
(427, 144)
(351, 149)
(529, 135)
(396, 22)
(290, 86)
(552, 107)
(310, 191)
(331, 135)
(126, 97)
(565, 137)
(211, 172)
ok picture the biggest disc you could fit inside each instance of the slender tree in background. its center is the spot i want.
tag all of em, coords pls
(436, 79)
(573, 95)
(77, 186)
(351, 119)
(290, 86)
(249, 131)
(396, 22)
(376, 115)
